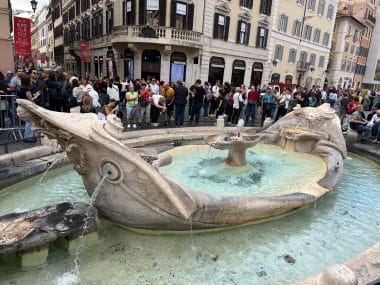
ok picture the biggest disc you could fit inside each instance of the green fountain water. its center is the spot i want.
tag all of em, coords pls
(340, 226)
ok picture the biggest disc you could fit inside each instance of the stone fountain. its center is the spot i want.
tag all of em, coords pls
(136, 195)
(236, 144)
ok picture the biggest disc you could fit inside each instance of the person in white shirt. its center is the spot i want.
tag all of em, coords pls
(113, 91)
(237, 106)
(154, 87)
(157, 105)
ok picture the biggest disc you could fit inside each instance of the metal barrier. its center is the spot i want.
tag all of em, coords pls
(9, 121)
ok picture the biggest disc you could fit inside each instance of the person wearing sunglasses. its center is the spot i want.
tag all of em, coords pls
(38, 88)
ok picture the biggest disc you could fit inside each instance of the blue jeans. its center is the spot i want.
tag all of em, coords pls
(363, 129)
(28, 134)
(179, 114)
(250, 111)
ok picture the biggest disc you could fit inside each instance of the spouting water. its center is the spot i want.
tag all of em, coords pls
(70, 278)
(97, 189)
(240, 127)
(52, 164)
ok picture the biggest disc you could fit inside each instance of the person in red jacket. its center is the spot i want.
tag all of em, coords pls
(253, 100)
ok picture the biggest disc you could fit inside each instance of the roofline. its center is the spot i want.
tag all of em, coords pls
(352, 18)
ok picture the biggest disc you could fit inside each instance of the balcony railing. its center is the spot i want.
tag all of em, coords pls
(163, 33)
(303, 66)
(371, 18)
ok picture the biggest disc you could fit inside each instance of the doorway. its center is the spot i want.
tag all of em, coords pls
(150, 64)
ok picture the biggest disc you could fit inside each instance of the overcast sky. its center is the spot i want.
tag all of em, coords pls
(25, 4)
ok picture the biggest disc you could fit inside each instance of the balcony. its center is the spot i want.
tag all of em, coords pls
(72, 47)
(371, 19)
(159, 35)
(303, 66)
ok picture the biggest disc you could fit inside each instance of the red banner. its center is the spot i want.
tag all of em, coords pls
(85, 51)
(22, 39)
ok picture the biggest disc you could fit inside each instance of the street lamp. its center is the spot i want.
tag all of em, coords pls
(34, 5)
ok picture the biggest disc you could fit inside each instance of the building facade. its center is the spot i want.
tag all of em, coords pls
(365, 12)
(40, 38)
(300, 41)
(55, 7)
(345, 52)
(372, 73)
(6, 47)
(169, 40)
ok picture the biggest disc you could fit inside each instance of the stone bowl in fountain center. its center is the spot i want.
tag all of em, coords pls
(226, 141)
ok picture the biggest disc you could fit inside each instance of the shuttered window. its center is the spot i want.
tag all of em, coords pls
(181, 15)
(243, 31)
(262, 37)
(221, 26)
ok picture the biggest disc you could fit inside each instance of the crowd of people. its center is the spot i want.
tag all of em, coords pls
(146, 103)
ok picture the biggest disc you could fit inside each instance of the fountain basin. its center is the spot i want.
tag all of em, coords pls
(336, 228)
(135, 194)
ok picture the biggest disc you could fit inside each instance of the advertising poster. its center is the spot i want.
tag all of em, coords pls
(85, 51)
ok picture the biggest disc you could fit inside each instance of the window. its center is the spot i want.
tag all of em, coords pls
(346, 47)
(312, 59)
(278, 52)
(221, 26)
(311, 5)
(307, 33)
(356, 36)
(321, 7)
(246, 3)
(265, 7)
(109, 19)
(343, 68)
(129, 12)
(243, 32)
(72, 13)
(283, 23)
(65, 18)
(317, 35)
(85, 5)
(303, 56)
(86, 29)
(352, 49)
(297, 28)
(292, 55)
(300, 2)
(321, 61)
(330, 12)
(262, 35)
(182, 15)
(97, 24)
(357, 50)
(326, 39)
(348, 68)
(353, 68)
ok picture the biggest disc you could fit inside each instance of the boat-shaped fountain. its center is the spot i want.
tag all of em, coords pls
(136, 195)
